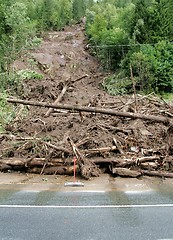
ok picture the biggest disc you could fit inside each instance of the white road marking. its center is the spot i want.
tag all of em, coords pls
(87, 206)
(85, 191)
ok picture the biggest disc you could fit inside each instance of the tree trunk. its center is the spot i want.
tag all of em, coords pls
(93, 109)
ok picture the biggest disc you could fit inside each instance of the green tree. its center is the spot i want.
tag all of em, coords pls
(152, 21)
(79, 8)
(163, 20)
(108, 28)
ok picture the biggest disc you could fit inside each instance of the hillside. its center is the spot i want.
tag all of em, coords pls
(46, 141)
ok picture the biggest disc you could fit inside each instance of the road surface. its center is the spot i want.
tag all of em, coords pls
(86, 214)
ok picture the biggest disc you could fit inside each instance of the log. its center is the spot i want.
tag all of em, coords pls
(125, 172)
(59, 170)
(157, 173)
(30, 162)
(57, 100)
(105, 160)
(13, 162)
(99, 150)
(94, 110)
(149, 165)
(52, 162)
(137, 161)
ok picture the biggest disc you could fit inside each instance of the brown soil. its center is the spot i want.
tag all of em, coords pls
(62, 58)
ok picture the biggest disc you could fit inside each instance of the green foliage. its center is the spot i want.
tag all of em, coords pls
(78, 9)
(109, 25)
(152, 67)
(28, 74)
(50, 14)
(16, 29)
(136, 33)
(116, 84)
(152, 21)
(9, 82)
(7, 112)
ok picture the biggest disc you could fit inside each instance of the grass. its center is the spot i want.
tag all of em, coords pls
(9, 84)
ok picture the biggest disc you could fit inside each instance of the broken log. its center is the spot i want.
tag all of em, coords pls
(149, 165)
(57, 100)
(137, 161)
(165, 120)
(108, 161)
(125, 172)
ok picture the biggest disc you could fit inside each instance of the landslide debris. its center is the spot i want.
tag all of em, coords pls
(47, 140)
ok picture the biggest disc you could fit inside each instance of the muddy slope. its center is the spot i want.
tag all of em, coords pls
(46, 142)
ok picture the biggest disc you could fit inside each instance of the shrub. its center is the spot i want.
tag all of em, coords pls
(28, 74)
(152, 67)
(7, 112)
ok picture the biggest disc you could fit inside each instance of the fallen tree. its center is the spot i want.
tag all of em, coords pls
(165, 120)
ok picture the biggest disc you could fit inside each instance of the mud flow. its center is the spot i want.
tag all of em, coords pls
(47, 141)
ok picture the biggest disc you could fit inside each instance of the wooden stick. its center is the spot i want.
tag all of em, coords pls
(46, 143)
(98, 150)
(118, 145)
(79, 78)
(57, 100)
(78, 155)
(46, 162)
(57, 148)
(94, 110)
(134, 88)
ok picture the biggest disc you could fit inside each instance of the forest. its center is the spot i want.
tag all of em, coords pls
(134, 34)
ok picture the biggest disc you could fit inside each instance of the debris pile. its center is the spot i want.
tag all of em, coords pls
(67, 115)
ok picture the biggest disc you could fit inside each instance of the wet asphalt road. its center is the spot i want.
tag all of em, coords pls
(76, 215)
